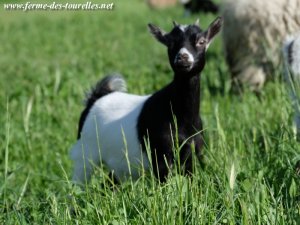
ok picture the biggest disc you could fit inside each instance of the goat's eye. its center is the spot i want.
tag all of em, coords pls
(201, 42)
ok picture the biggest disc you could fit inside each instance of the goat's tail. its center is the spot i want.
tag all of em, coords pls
(111, 83)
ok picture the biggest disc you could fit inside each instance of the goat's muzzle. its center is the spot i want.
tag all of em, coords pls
(184, 60)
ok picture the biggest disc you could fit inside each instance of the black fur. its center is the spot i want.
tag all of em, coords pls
(180, 99)
(195, 6)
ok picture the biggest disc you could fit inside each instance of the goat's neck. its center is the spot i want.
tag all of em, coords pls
(186, 97)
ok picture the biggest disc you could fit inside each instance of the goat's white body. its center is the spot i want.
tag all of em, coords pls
(109, 135)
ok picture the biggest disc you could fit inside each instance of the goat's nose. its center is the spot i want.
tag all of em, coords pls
(184, 56)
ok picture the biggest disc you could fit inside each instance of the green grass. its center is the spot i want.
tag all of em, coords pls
(47, 62)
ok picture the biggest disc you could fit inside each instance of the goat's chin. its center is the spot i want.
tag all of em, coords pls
(183, 68)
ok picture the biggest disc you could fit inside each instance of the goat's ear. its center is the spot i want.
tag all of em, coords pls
(158, 33)
(214, 28)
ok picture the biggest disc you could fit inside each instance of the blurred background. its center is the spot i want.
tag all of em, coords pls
(50, 59)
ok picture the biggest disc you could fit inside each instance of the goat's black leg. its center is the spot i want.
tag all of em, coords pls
(189, 153)
(161, 167)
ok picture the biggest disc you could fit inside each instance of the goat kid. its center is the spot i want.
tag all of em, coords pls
(114, 126)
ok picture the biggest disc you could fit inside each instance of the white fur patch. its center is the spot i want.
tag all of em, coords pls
(185, 51)
(109, 135)
(118, 84)
(183, 27)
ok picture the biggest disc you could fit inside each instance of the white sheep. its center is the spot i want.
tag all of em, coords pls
(252, 36)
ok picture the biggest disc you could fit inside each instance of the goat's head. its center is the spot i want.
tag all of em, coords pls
(187, 44)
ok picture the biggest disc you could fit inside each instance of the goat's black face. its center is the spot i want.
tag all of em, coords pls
(187, 45)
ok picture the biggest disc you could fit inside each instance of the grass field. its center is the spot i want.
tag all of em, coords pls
(47, 62)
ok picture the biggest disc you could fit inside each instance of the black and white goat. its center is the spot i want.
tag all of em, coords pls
(114, 125)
